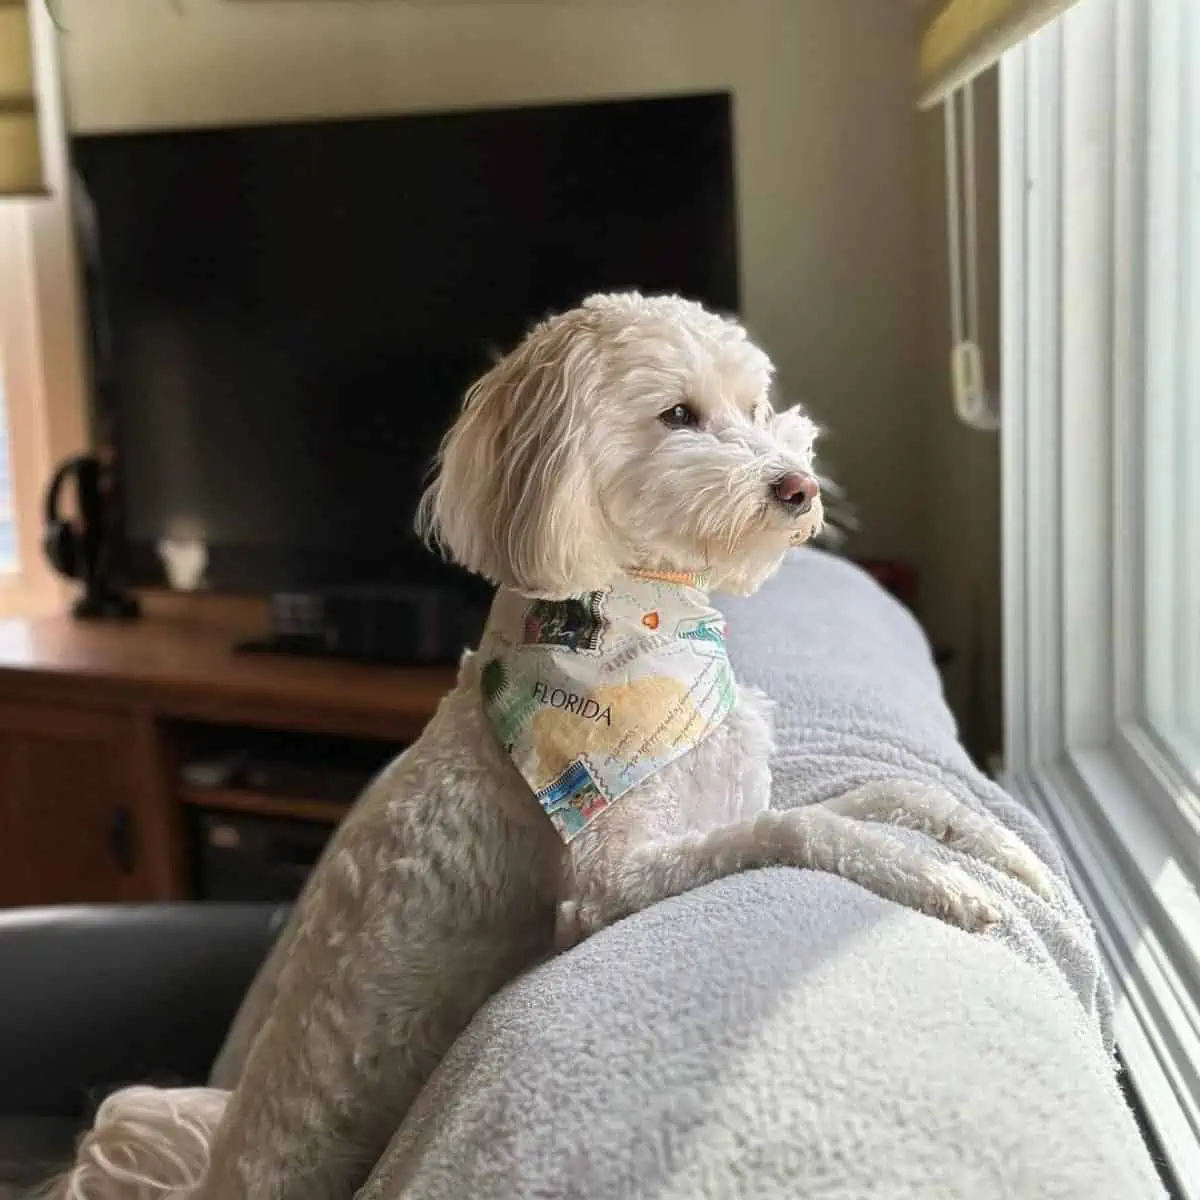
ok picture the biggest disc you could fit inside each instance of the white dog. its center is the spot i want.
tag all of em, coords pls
(595, 757)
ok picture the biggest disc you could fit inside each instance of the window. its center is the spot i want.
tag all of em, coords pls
(41, 385)
(1100, 212)
(1171, 461)
(9, 560)
(23, 444)
(21, 462)
(42, 362)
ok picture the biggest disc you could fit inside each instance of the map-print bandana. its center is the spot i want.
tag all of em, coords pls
(593, 694)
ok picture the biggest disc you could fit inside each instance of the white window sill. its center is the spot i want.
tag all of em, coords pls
(1124, 863)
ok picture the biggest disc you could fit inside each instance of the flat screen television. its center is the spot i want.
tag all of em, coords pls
(286, 316)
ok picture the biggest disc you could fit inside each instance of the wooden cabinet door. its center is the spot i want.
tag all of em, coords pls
(68, 807)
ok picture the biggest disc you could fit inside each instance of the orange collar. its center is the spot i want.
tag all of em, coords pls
(682, 578)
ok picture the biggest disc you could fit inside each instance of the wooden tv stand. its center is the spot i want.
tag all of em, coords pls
(97, 718)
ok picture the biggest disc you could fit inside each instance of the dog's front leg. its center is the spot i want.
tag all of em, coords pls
(309, 1122)
(812, 837)
(934, 811)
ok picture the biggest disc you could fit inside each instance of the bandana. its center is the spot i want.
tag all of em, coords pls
(591, 695)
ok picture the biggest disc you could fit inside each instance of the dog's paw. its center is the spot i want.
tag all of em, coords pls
(997, 846)
(934, 811)
(952, 895)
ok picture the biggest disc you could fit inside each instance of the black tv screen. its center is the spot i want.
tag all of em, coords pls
(287, 316)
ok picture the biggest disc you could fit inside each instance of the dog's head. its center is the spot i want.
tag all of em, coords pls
(629, 432)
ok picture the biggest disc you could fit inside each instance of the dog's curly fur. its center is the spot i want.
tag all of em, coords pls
(447, 879)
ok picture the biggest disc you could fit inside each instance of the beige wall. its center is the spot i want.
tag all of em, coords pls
(826, 142)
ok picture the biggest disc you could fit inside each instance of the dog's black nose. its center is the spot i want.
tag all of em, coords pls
(796, 490)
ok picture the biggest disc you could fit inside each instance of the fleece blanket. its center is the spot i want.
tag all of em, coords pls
(786, 1033)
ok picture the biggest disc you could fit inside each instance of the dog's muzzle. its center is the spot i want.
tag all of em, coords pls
(796, 491)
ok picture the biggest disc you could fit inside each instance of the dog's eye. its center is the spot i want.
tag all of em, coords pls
(680, 416)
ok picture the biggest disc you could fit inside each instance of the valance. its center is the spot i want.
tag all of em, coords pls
(20, 143)
(961, 38)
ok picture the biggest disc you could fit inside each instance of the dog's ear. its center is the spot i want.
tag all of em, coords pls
(513, 499)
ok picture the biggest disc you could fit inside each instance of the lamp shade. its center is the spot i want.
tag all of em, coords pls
(21, 171)
(961, 38)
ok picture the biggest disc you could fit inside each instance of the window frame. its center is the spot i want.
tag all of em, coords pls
(1078, 749)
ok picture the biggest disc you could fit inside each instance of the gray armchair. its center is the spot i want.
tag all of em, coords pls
(95, 997)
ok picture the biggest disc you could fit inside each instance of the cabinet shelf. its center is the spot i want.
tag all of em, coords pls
(260, 804)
